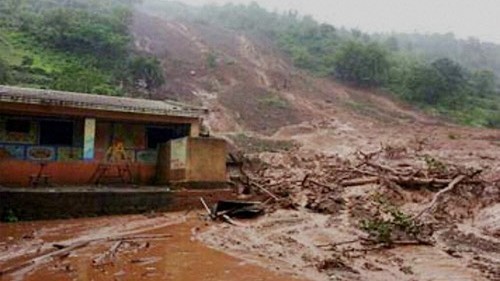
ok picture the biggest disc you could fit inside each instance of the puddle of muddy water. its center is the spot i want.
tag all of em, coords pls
(177, 258)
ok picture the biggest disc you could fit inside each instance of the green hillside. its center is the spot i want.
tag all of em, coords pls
(79, 45)
(86, 46)
(438, 73)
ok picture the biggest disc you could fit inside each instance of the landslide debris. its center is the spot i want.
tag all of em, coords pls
(397, 213)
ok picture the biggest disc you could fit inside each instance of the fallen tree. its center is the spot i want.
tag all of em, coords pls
(322, 176)
(64, 250)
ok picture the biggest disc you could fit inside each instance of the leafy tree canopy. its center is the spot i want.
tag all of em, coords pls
(362, 64)
(75, 45)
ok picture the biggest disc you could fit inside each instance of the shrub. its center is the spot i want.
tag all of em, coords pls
(5, 72)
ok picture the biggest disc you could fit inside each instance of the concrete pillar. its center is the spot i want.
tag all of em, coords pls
(89, 139)
(195, 129)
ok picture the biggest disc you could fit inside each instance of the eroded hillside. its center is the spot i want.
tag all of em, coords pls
(354, 176)
(251, 88)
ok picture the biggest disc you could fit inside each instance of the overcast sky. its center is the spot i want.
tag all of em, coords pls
(465, 18)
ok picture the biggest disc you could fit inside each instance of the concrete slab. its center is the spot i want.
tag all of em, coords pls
(53, 203)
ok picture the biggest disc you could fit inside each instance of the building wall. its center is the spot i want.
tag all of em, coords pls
(17, 173)
(207, 160)
(132, 136)
(21, 154)
(192, 160)
(26, 146)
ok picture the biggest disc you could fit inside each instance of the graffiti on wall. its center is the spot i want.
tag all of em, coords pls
(178, 154)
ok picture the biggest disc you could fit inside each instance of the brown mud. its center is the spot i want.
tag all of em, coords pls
(316, 231)
(289, 240)
(179, 257)
(255, 90)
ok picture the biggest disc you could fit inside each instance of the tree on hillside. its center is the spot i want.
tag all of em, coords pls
(362, 64)
(452, 73)
(76, 30)
(10, 11)
(4, 72)
(81, 45)
(483, 83)
(147, 71)
(83, 80)
(424, 85)
(441, 83)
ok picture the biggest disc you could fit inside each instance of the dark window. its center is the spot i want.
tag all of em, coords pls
(159, 135)
(56, 133)
(18, 126)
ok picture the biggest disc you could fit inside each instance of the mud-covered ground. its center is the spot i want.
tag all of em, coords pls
(315, 233)
(254, 90)
(463, 227)
(292, 241)
(176, 257)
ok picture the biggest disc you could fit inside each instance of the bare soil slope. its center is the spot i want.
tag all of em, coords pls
(248, 84)
(251, 88)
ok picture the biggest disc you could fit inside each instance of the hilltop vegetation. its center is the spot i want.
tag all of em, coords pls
(438, 73)
(86, 46)
(78, 45)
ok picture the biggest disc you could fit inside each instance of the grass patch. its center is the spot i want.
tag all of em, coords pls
(44, 65)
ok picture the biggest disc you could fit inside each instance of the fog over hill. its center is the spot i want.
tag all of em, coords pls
(464, 18)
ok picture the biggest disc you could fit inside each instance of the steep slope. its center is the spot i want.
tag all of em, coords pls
(248, 83)
(252, 88)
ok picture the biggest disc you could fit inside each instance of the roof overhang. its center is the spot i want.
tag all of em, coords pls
(97, 103)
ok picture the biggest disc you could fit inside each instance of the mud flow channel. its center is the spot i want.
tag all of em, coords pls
(159, 247)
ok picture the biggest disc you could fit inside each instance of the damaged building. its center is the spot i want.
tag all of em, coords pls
(72, 139)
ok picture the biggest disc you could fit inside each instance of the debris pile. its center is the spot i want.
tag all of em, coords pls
(226, 210)
(352, 218)
(317, 181)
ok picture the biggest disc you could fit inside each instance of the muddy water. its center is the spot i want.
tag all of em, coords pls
(428, 263)
(177, 258)
(291, 237)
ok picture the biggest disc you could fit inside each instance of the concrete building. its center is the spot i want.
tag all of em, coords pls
(73, 139)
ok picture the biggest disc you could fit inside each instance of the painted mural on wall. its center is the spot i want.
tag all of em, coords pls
(103, 136)
(69, 154)
(118, 153)
(89, 139)
(12, 152)
(147, 156)
(41, 153)
(127, 139)
(131, 135)
(178, 154)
